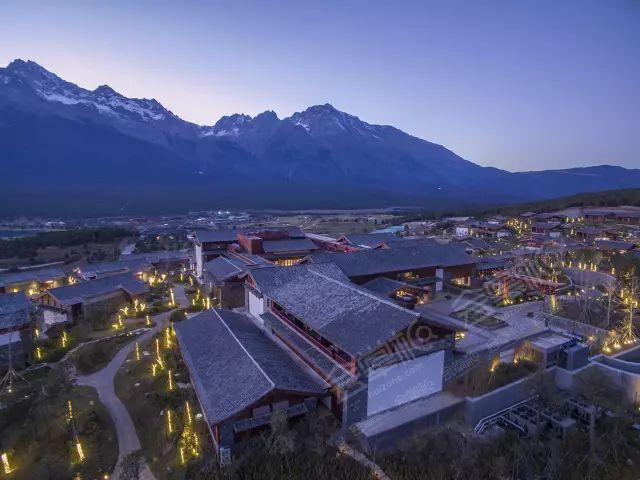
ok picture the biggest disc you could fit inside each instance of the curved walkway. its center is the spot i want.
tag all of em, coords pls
(102, 381)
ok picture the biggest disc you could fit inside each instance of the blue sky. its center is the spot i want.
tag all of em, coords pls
(521, 85)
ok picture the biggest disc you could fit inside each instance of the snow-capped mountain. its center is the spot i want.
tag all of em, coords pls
(103, 99)
(64, 145)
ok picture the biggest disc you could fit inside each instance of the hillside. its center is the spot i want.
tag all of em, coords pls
(67, 150)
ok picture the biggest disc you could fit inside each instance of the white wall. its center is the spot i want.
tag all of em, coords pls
(52, 318)
(404, 382)
(256, 304)
(199, 260)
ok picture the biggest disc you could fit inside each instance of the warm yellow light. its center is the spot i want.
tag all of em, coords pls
(187, 408)
(70, 410)
(79, 450)
(167, 338)
(64, 339)
(38, 353)
(5, 464)
(169, 380)
(137, 351)
(153, 369)
(169, 422)
(148, 321)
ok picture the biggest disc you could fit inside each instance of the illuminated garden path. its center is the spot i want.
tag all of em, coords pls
(102, 381)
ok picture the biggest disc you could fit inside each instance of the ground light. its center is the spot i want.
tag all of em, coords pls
(137, 351)
(6, 466)
(169, 381)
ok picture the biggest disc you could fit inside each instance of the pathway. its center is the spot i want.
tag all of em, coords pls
(102, 381)
(362, 459)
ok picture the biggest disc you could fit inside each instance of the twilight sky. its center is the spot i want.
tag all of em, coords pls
(520, 85)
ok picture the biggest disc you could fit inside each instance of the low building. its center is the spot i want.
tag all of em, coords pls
(16, 330)
(209, 244)
(551, 229)
(93, 271)
(242, 378)
(90, 299)
(163, 260)
(224, 277)
(282, 246)
(588, 234)
(491, 230)
(31, 281)
(413, 264)
(375, 354)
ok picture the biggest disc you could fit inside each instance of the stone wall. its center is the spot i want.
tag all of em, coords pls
(477, 408)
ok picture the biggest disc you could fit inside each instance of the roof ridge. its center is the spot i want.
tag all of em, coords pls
(231, 263)
(273, 385)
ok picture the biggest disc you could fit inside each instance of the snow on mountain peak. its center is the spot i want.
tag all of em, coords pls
(327, 119)
(104, 99)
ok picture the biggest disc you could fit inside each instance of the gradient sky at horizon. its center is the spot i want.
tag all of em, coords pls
(516, 85)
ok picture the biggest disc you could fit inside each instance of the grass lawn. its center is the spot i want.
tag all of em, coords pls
(95, 356)
(53, 349)
(39, 439)
(148, 400)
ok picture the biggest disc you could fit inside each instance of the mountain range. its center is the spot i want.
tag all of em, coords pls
(68, 150)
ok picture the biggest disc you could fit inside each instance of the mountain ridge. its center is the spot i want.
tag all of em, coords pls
(98, 141)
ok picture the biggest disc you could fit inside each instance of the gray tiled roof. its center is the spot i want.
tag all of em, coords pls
(14, 310)
(385, 286)
(380, 261)
(289, 245)
(80, 291)
(230, 265)
(25, 276)
(369, 239)
(223, 236)
(350, 317)
(158, 257)
(133, 265)
(233, 364)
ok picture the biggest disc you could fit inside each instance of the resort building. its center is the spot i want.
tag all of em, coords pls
(16, 330)
(242, 378)
(31, 281)
(419, 265)
(375, 354)
(224, 277)
(87, 299)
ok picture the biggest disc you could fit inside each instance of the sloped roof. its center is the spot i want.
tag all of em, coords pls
(289, 245)
(133, 265)
(233, 364)
(380, 261)
(385, 286)
(14, 310)
(36, 275)
(352, 318)
(227, 235)
(158, 257)
(80, 291)
(230, 265)
(369, 240)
